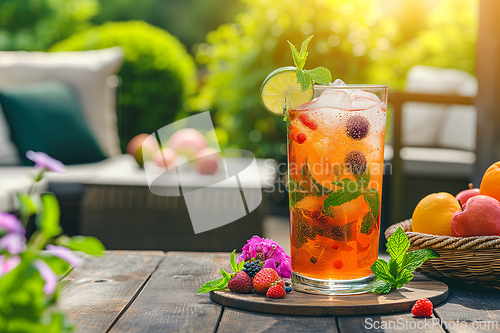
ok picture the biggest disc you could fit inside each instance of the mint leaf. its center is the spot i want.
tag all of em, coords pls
(210, 285)
(347, 184)
(338, 198)
(303, 51)
(295, 56)
(225, 274)
(414, 259)
(372, 199)
(397, 245)
(304, 79)
(404, 277)
(363, 179)
(378, 286)
(320, 75)
(232, 261)
(368, 223)
(381, 269)
(240, 265)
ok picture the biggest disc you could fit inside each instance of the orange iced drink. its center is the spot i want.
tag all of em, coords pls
(335, 160)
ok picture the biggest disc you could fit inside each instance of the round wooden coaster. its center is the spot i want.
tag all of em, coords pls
(297, 303)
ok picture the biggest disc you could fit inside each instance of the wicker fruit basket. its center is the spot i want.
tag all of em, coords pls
(469, 259)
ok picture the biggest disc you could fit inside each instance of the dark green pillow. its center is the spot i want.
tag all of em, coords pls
(47, 117)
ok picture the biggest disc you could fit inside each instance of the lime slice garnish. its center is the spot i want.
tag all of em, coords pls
(275, 91)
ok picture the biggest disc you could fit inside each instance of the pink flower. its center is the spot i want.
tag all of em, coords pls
(65, 254)
(11, 224)
(268, 251)
(13, 243)
(44, 161)
(47, 275)
(9, 264)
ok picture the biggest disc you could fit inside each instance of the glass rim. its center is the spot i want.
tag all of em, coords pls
(349, 86)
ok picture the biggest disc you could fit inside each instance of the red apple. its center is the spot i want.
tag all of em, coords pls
(480, 217)
(165, 158)
(188, 142)
(207, 161)
(467, 194)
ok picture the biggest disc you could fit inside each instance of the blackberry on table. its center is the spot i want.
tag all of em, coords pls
(252, 268)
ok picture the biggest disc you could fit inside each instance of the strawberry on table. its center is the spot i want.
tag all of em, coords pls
(264, 279)
(240, 283)
(276, 291)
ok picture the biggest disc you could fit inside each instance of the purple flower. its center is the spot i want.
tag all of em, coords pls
(11, 223)
(270, 252)
(9, 264)
(13, 243)
(47, 275)
(65, 254)
(44, 161)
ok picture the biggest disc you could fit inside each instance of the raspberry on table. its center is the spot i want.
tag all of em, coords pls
(422, 308)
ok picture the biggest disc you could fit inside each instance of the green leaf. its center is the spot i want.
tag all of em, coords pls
(295, 55)
(394, 268)
(403, 277)
(303, 51)
(87, 244)
(320, 75)
(414, 259)
(225, 274)
(28, 205)
(363, 179)
(338, 198)
(347, 184)
(368, 222)
(373, 200)
(381, 269)
(210, 285)
(304, 79)
(232, 261)
(378, 286)
(240, 265)
(48, 220)
(397, 245)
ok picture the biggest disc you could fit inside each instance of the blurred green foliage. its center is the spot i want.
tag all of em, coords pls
(356, 40)
(36, 24)
(157, 75)
(188, 20)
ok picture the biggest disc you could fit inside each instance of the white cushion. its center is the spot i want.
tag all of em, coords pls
(439, 125)
(8, 151)
(86, 71)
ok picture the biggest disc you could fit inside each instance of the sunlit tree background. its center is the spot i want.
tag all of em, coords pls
(236, 44)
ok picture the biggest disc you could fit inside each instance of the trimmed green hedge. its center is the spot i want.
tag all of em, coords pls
(157, 75)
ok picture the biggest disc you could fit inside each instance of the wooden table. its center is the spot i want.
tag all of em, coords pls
(139, 291)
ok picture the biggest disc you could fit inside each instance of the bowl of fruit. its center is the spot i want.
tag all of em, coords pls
(464, 230)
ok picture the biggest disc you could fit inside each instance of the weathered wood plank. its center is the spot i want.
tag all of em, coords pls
(169, 303)
(470, 309)
(234, 321)
(94, 294)
(403, 323)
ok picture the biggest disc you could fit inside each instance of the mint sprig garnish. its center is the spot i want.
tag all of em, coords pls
(398, 270)
(350, 190)
(306, 77)
(221, 283)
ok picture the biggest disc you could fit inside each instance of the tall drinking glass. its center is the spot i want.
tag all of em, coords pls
(335, 167)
